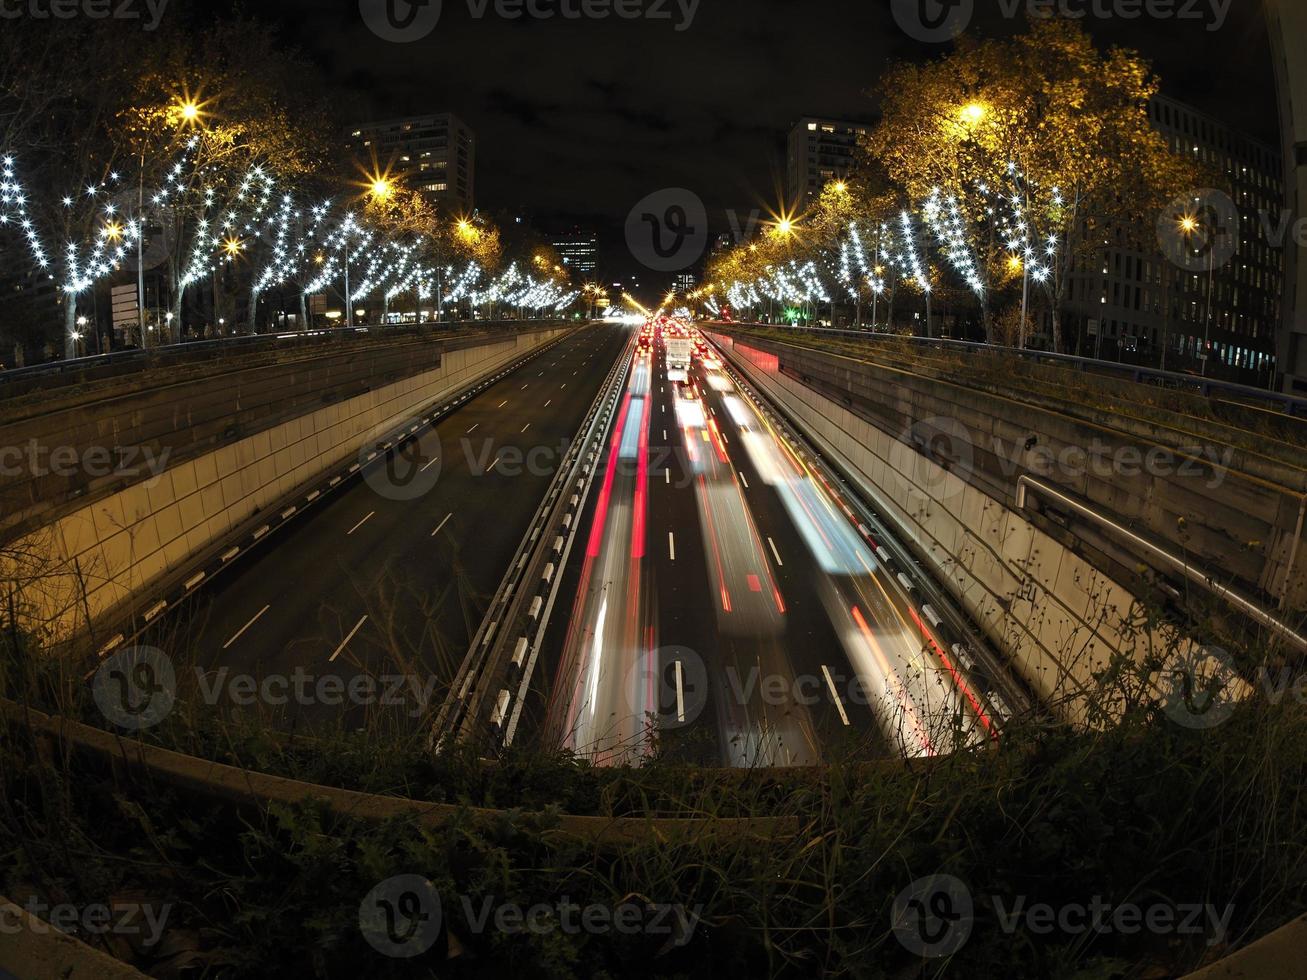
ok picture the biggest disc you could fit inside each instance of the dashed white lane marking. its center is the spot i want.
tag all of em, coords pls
(502, 404)
(497, 461)
(680, 694)
(237, 635)
(357, 626)
(441, 524)
(527, 426)
(671, 545)
(434, 461)
(473, 429)
(360, 523)
(668, 475)
(548, 403)
(830, 683)
(775, 554)
(744, 480)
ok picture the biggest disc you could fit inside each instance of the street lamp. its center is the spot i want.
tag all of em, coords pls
(1189, 224)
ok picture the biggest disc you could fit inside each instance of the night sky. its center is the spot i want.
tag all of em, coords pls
(576, 120)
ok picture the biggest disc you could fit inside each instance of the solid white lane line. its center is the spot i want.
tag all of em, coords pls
(680, 694)
(357, 627)
(775, 554)
(830, 682)
(671, 545)
(237, 634)
(441, 524)
(360, 523)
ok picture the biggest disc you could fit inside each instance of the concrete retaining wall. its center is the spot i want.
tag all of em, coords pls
(96, 557)
(1057, 617)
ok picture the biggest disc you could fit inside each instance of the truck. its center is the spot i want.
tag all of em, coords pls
(679, 352)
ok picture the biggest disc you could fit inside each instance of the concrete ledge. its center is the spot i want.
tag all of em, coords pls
(1056, 617)
(39, 951)
(96, 559)
(1277, 956)
(232, 785)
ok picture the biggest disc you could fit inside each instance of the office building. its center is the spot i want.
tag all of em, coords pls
(434, 154)
(820, 151)
(1133, 303)
(580, 251)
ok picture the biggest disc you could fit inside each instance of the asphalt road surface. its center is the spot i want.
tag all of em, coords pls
(361, 609)
(725, 606)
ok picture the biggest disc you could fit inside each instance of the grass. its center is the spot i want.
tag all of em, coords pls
(1147, 812)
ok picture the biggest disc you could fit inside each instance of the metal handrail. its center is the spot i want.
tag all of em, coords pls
(1287, 404)
(168, 353)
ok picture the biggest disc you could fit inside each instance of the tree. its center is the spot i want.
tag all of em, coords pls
(1069, 122)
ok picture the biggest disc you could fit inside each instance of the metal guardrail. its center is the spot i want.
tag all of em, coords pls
(1260, 397)
(503, 652)
(168, 354)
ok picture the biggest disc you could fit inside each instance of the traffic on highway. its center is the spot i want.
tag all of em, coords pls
(726, 605)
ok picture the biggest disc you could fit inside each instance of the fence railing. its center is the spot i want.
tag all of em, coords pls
(1207, 387)
(98, 366)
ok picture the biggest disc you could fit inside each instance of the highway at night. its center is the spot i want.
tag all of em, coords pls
(725, 600)
(391, 577)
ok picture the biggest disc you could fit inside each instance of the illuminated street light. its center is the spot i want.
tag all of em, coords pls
(975, 112)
